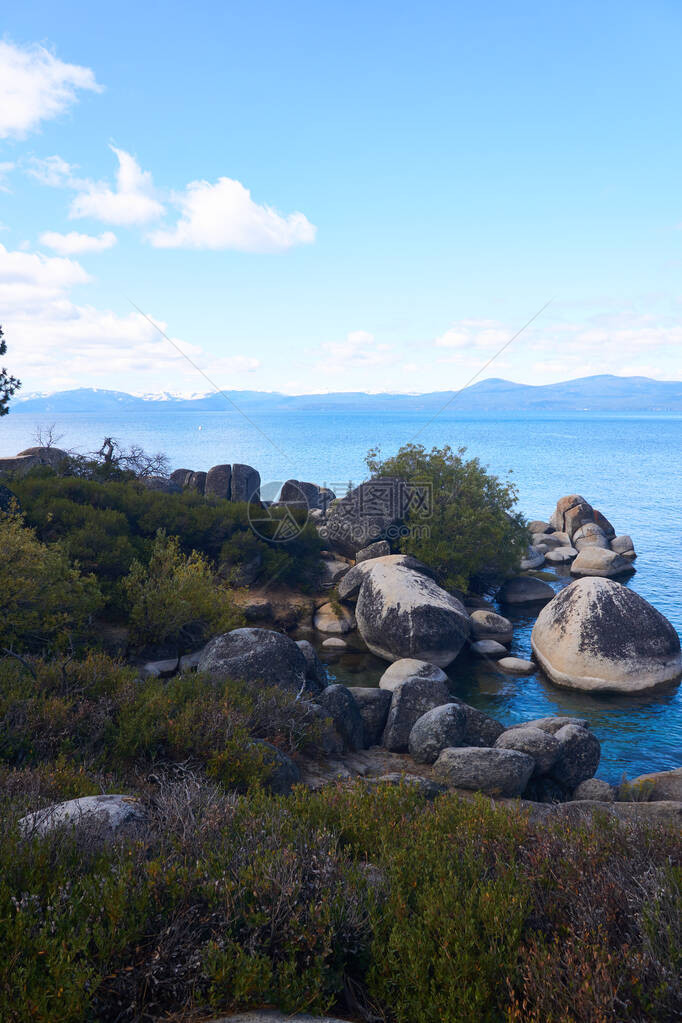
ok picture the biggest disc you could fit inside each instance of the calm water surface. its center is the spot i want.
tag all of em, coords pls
(628, 467)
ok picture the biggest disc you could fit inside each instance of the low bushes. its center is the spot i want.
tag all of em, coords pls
(97, 713)
(45, 602)
(107, 525)
(368, 902)
(174, 595)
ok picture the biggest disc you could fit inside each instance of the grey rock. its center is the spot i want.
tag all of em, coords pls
(374, 706)
(549, 540)
(561, 555)
(540, 745)
(219, 482)
(103, 815)
(599, 636)
(564, 504)
(245, 483)
(488, 648)
(576, 517)
(283, 771)
(578, 756)
(333, 572)
(435, 731)
(497, 772)
(525, 590)
(517, 665)
(533, 559)
(300, 491)
(335, 643)
(161, 484)
(409, 701)
(190, 662)
(341, 707)
(410, 667)
(380, 549)
(590, 535)
(315, 670)
(595, 788)
(402, 613)
(180, 476)
(196, 481)
(622, 544)
(538, 526)
(604, 524)
(551, 725)
(660, 784)
(160, 669)
(349, 587)
(595, 561)
(488, 625)
(257, 655)
(481, 729)
(370, 512)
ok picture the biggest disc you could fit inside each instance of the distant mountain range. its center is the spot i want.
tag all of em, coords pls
(605, 393)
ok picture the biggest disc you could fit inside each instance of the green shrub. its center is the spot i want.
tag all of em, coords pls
(174, 592)
(471, 536)
(107, 525)
(45, 602)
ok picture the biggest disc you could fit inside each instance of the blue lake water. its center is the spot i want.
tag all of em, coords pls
(628, 467)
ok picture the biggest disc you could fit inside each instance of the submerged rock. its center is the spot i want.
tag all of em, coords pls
(525, 590)
(597, 635)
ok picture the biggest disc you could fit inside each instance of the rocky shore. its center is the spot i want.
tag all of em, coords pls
(594, 635)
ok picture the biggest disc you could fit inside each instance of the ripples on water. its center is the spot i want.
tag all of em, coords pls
(628, 467)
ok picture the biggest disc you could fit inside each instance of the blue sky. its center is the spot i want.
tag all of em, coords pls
(358, 196)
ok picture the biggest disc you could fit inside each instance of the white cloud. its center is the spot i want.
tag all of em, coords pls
(56, 343)
(474, 334)
(36, 86)
(224, 216)
(359, 351)
(133, 202)
(55, 172)
(73, 243)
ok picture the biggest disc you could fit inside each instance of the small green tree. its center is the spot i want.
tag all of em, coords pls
(45, 601)
(175, 592)
(8, 384)
(465, 526)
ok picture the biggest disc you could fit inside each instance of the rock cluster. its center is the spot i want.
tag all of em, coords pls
(236, 482)
(579, 535)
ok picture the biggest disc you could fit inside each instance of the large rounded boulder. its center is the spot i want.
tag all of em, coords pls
(258, 655)
(597, 635)
(402, 613)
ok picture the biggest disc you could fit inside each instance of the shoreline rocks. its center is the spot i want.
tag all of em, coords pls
(402, 613)
(599, 636)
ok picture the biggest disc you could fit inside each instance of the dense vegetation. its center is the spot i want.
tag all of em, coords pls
(369, 901)
(472, 535)
(158, 562)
